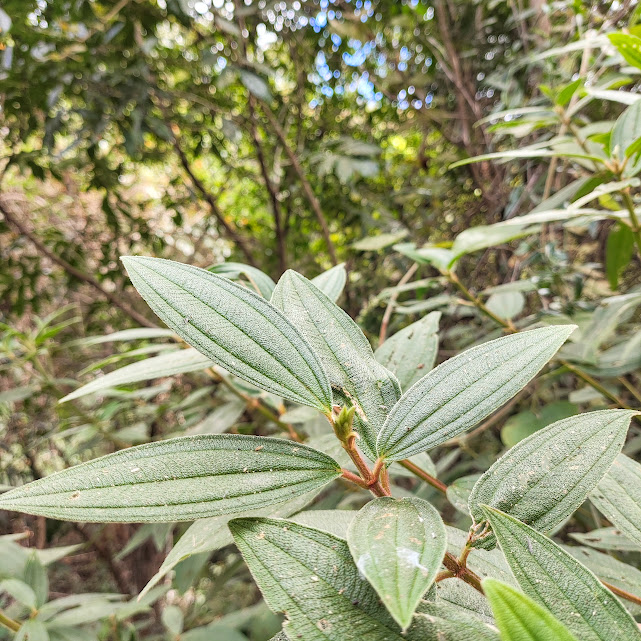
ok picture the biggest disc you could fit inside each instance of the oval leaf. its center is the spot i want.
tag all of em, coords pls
(355, 375)
(180, 479)
(235, 327)
(398, 544)
(543, 479)
(466, 389)
(332, 282)
(554, 579)
(260, 282)
(519, 618)
(618, 497)
(411, 353)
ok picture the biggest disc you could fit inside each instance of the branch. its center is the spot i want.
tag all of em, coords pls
(114, 298)
(307, 188)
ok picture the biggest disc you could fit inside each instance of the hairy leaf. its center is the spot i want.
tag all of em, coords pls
(332, 282)
(411, 353)
(444, 622)
(466, 389)
(180, 479)
(544, 478)
(180, 362)
(235, 327)
(554, 579)
(260, 282)
(355, 375)
(618, 497)
(398, 544)
(521, 619)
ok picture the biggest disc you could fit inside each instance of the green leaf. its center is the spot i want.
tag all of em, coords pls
(36, 576)
(606, 538)
(506, 305)
(411, 353)
(180, 479)
(484, 236)
(565, 95)
(438, 257)
(626, 131)
(519, 618)
(444, 622)
(458, 492)
(260, 282)
(32, 630)
(554, 579)
(526, 423)
(176, 362)
(173, 620)
(311, 577)
(335, 522)
(346, 355)
(398, 544)
(628, 46)
(135, 334)
(618, 497)
(376, 243)
(525, 153)
(233, 326)
(618, 252)
(332, 282)
(20, 592)
(466, 389)
(543, 479)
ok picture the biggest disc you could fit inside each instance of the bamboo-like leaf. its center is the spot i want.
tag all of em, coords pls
(177, 362)
(521, 619)
(180, 479)
(544, 478)
(618, 497)
(411, 353)
(556, 580)
(235, 327)
(398, 544)
(332, 282)
(355, 375)
(311, 577)
(524, 153)
(464, 390)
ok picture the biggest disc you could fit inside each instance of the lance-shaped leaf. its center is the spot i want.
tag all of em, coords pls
(618, 497)
(260, 282)
(355, 375)
(411, 353)
(466, 389)
(544, 478)
(181, 479)
(519, 618)
(234, 327)
(554, 579)
(444, 622)
(398, 544)
(332, 282)
(311, 577)
(180, 362)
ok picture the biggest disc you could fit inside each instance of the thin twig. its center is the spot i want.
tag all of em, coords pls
(423, 475)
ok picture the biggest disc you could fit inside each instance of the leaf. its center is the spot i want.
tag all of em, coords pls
(411, 353)
(135, 334)
(355, 375)
(618, 252)
(565, 95)
(398, 544)
(180, 479)
(310, 575)
(543, 479)
(20, 592)
(208, 535)
(526, 423)
(444, 622)
(32, 630)
(521, 619)
(234, 327)
(176, 362)
(525, 153)
(626, 131)
(439, 257)
(628, 46)
(466, 389)
(260, 282)
(335, 522)
(458, 492)
(256, 85)
(36, 576)
(606, 538)
(554, 579)
(618, 497)
(18, 394)
(506, 305)
(375, 243)
(332, 282)
(484, 236)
